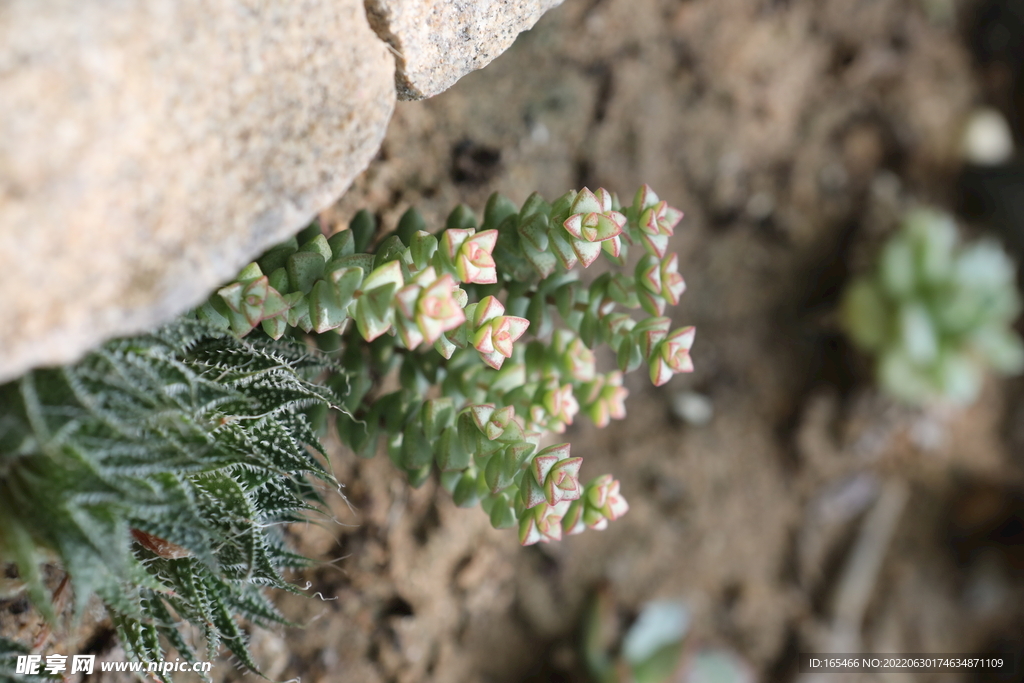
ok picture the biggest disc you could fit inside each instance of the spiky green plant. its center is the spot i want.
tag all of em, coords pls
(157, 473)
(10, 650)
(934, 314)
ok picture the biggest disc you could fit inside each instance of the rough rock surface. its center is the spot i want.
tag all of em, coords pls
(149, 148)
(437, 42)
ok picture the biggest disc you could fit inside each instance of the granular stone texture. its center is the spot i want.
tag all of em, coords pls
(150, 148)
(439, 42)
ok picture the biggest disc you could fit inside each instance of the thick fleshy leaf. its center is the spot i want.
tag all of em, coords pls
(652, 303)
(389, 273)
(613, 246)
(319, 245)
(865, 314)
(488, 309)
(342, 244)
(362, 261)
(485, 240)
(275, 327)
(673, 287)
(499, 473)
(529, 534)
(481, 414)
(409, 333)
(502, 515)
(474, 273)
(494, 359)
(609, 225)
(449, 452)
(391, 249)
(572, 522)
(250, 273)
(542, 464)
(501, 337)
(304, 269)
(406, 299)
(369, 323)
(645, 198)
(534, 204)
(521, 451)
(253, 297)
(660, 371)
(232, 295)
(543, 262)
(465, 494)
(629, 355)
(574, 225)
(896, 267)
(277, 256)
(532, 494)
(917, 333)
(671, 220)
(650, 332)
(452, 239)
(378, 301)
(445, 347)
(363, 226)
(423, 247)
(274, 304)
(498, 208)
(655, 244)
(298, 313)
(513, 433)
(648, 274)
(587, 252)
(534, 231)
(483, 339)
(586, 202)
(498, 421)
(461, 218)
(324, 311)
(563, 250)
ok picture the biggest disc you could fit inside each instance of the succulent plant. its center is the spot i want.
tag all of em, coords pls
(485, 298)
(936, 314)
(655, 648)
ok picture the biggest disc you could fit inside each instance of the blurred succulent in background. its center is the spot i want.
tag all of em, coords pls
(936, 314)
(655, 647)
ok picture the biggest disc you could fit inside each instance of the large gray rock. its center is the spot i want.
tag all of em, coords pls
(437, 42)
(149, 148)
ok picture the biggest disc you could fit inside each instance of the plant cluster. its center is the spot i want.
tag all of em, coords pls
(655, 648)
(472, 311)
(936, 314)
(159, 471)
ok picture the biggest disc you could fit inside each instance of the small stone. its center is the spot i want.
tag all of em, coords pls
(437, 42)
(988, 140)
(693, 408)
